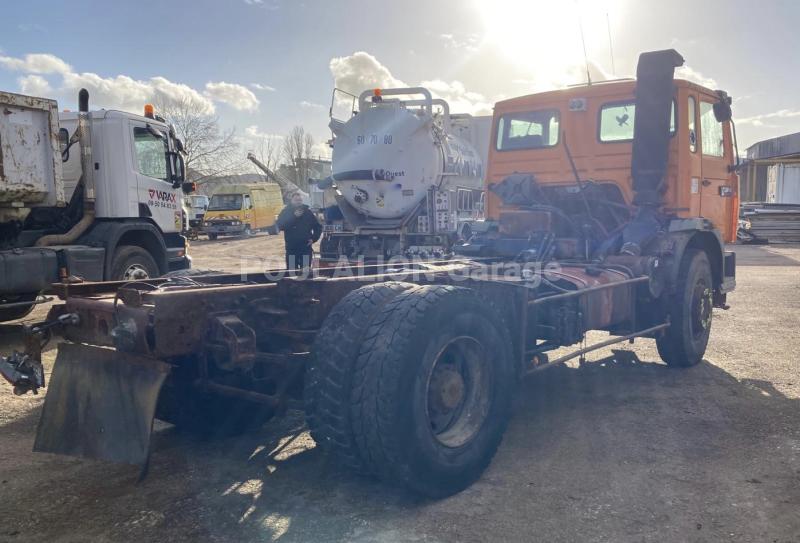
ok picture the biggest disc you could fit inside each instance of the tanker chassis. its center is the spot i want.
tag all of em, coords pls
(405, 369)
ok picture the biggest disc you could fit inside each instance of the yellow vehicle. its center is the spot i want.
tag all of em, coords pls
(242, 209)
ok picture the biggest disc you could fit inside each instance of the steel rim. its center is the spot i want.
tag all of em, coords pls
(458, 392)
(701, 309)
(135, 272)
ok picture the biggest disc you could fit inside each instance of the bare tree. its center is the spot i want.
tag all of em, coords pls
(210, 152)
(297, 150)
(269, 151)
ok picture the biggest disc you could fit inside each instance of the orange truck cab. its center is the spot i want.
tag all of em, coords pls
(596, 122)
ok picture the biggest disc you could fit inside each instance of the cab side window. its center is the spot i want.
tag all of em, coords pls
(710, 131)
(151, 154)
(691, 124)
(528, 130)
(617, 120)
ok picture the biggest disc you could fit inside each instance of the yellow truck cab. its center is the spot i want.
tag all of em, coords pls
(242, 209)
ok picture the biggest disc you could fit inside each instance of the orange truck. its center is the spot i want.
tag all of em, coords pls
(611, 205)
(596, 123)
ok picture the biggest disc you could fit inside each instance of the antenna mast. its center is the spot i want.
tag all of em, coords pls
(585, 58)
(610, 48)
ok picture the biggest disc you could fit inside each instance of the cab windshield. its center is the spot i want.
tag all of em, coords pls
(225, 202)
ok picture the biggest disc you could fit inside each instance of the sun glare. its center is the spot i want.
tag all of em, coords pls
(544, 37)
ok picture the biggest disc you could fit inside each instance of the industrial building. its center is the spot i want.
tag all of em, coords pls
(771, 172)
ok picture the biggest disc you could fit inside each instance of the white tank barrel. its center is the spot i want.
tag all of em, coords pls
(387, 157)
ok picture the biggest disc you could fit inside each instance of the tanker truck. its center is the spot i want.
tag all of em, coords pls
(405, 174)
(84, 196)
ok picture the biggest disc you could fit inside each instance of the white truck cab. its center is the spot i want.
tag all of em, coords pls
(86, 196)
(132, 171)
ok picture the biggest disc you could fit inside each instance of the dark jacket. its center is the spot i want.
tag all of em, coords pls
(299, 225)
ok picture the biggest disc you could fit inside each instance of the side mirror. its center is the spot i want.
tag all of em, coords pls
(178, 169)
(63, 144)
(722, 107)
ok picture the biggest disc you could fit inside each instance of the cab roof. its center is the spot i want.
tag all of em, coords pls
(618, 88)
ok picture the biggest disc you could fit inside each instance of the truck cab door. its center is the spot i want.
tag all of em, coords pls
(717, 186)
(695, 157)
(249, 211)
(157, 199)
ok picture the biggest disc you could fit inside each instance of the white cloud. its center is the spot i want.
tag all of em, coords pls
(30, 27)
(34, 85)
(759, 120)
(121, 91)
(468, 43)
(311, 105)
(235, 95)
(163, 88)
(37, 63)
(259, 86)
(253, 131)
(128, 94)
(361, 71)
(458, 97)
(690, 74)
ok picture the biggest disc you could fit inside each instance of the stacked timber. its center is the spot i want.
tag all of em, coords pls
(774, 223)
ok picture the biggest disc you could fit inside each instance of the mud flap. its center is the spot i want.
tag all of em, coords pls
(100, 404)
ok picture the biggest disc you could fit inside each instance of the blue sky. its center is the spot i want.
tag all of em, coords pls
(264, 66)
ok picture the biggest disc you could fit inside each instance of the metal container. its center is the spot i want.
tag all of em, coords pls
(30, 156)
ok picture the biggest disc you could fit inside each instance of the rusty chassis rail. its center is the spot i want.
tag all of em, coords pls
(264, 325)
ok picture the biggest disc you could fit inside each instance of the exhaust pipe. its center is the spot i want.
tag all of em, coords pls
(84, 137)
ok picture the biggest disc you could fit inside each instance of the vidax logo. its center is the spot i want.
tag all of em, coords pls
(162, 195)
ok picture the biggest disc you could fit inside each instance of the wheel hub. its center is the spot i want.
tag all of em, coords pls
(702, 309)
(447, 388)
(458, 392)
(135, 272)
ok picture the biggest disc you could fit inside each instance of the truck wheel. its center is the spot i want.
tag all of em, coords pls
(690, 311)
(247, 231)
(212, 237)
(132, 263)
(432, 389)
(17, 312)
(329, 376)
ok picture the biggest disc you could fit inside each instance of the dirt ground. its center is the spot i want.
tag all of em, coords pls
(619, 449)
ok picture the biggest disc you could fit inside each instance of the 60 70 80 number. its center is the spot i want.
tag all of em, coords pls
(373, 139)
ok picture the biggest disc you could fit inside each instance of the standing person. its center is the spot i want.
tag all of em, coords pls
(301, 229)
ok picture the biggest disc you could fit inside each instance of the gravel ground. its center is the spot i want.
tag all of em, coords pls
(619, 449)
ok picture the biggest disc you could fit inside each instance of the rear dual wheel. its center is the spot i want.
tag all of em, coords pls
(428, 395)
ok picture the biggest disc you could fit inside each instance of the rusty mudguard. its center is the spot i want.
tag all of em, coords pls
(100, 404)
